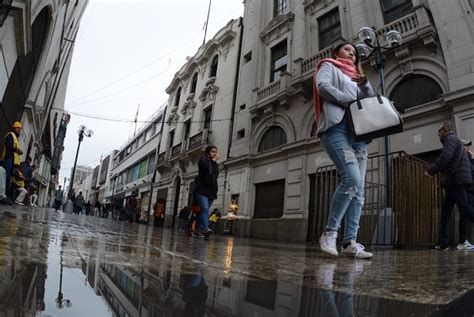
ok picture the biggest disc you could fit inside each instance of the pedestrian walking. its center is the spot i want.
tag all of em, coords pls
(88, 208)
(455, 169)
(132, 204)
(58, 198)
(339, 81)
(10, 155)
(205, 189)
(78, 203)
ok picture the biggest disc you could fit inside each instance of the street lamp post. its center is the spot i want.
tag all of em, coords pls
(371, 45)
(83, 131)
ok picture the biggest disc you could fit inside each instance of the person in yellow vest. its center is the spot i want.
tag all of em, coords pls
(11, 152)
(18, 185)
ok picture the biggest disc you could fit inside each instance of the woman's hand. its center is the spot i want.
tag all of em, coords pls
(360, 80)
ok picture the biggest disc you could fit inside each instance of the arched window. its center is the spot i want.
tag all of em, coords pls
(414, 91)
(274, 137)
(178, 97)
(194, 82)
(214, 63)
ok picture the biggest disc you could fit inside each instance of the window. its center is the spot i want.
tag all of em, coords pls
(135, 172)
(207, 118)
(214, 64)
(274, 137)
(194, 82)
(171, 140)
(279, 60)
(395, 9)
(247, 57)
(151, 163)
(130, 175)
(187, 130)
(178, 97)
(269, 199)
(242, 107)
(279, 7)
(415, 90)
(329, 27)
(143, 168)
(240, 134)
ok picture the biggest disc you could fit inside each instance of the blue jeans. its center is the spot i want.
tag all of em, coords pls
(350, 158)
(203, 217)
(458, 197)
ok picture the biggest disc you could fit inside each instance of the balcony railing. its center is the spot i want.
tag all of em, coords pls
(407, 26)
(269, 90)
(310, 63)
(195, 141)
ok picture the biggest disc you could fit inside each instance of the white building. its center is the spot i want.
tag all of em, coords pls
(132, 167)
(37, 40)
(199, 112)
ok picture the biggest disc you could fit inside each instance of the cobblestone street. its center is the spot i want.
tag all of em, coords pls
(100, 267)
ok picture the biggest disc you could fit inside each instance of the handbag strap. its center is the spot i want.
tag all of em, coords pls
(359, 104)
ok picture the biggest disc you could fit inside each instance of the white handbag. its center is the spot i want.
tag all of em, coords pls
(373, 117)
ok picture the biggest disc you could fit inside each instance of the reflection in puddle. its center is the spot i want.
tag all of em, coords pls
(63, 270)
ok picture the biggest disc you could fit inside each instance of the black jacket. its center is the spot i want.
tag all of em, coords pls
(206, 181)
(453, 162)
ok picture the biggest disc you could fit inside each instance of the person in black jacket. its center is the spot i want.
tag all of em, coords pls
(205, 188)
(455, 168)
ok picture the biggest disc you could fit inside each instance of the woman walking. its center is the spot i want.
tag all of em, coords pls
(205, 189)
(338, 82)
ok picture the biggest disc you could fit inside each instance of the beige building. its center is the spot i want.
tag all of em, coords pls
(199, 112)
(274, 156)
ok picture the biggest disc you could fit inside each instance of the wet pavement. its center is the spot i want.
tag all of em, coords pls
(55, 264)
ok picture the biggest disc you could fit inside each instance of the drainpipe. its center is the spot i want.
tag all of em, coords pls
(234, 104)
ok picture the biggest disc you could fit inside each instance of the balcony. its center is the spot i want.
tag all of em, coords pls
(276, 92)
(412, 27)
(161, 158)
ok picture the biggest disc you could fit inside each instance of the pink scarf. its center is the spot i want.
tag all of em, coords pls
(345, 65)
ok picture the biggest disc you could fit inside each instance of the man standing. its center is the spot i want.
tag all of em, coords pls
(78, 203)
(58, 198)
(11, 152)
(455, 169)
(27, 171)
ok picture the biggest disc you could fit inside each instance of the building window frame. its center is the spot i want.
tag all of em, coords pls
(393, 10)
(279, 60)
(194, 81)
(214, 66)
(207, 118)
(329, 24)
(280, 7)
(273, 137)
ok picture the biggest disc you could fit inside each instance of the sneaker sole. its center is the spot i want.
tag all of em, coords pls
(327, 250)
(350, 255)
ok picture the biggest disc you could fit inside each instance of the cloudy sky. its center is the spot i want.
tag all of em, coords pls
(126, 54)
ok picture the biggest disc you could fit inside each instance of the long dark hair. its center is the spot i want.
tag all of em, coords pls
(357, 61)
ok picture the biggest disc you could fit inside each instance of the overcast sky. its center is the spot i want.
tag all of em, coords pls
(126, 54)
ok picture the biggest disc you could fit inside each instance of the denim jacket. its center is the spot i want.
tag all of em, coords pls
(330, 82)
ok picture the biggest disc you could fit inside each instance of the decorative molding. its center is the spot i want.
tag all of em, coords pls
(278, 26)
(189, 105)
(209, 92)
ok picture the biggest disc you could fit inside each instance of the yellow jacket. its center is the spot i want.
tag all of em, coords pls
(16, 147)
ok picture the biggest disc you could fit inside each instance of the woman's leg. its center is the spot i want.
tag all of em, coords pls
(339, 147)
(353, 212)
(203, 216)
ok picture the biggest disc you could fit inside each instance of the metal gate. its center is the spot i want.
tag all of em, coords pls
(416, 199)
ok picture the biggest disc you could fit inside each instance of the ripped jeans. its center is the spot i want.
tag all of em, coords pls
(350, 158)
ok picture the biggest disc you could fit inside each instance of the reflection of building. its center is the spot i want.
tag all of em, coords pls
(37, 40)
(22, 283)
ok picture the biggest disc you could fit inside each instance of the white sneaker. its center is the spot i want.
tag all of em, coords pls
(465, 246)
(19, 203)
(327, 242)
(356, 250)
